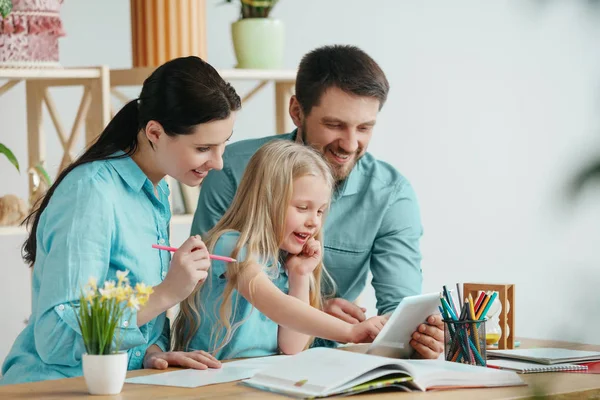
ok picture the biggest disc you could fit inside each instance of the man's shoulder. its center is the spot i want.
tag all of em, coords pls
(247, 147)
(379, 172)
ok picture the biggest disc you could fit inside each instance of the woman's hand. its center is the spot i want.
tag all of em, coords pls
(194, 359)
(189, 266)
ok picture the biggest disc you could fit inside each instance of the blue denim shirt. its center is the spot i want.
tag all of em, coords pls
(103, 218)
(373, 224)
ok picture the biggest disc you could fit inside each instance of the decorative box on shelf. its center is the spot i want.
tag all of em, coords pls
(29, 34)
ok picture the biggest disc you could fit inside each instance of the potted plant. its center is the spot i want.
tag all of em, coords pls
(101, 311)
(13, 209)
(258, 39)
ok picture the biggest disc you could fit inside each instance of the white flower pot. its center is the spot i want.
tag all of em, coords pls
(105, 374)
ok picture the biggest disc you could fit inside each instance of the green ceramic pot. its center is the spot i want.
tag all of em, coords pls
(258, 43)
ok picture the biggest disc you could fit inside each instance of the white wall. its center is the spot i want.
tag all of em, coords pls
(493, 107)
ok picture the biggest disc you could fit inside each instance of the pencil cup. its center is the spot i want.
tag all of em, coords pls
(464, 342)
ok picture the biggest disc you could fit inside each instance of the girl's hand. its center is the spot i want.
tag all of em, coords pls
(306, 261)
(367, 330)
(189, 266)
(194, 359)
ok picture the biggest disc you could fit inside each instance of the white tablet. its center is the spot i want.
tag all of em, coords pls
(394, 338)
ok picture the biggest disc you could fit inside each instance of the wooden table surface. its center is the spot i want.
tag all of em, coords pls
(554, 385)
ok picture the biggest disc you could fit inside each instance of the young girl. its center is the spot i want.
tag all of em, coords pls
(270, 300)
(105, 211)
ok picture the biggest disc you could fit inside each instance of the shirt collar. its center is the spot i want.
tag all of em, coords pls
(132, 174)
(350, 185)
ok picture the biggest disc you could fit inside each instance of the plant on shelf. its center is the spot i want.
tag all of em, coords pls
(13, 209)
(258, 39)
(5, 8)
(9, 154)
(102, 312)
(254, 8)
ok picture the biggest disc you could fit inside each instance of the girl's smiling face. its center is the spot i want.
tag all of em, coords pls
(304, 215)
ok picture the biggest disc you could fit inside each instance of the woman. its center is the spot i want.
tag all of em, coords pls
(105, 211)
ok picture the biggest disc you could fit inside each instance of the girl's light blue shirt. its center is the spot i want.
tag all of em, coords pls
(103, 218)
(256, 334)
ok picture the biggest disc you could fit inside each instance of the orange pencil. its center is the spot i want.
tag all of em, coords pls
(482, 306)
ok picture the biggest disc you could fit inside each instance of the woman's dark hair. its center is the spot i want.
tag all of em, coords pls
(179, 94)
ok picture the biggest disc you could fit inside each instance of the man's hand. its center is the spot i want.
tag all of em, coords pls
(345, 310)
(428, 339)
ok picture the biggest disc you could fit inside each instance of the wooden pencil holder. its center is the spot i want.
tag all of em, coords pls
(506, 295)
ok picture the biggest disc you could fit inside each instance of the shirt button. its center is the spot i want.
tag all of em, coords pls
(161, 241)
(163, 274)
(61, 307)
(137, 354)
(125, 324)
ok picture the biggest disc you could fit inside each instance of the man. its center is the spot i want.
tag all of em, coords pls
(373, 222)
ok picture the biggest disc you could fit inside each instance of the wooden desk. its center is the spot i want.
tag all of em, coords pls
(555, 385)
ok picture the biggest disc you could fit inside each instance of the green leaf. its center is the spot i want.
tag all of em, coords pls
(9, 154)
(5, 7)
(43, 174)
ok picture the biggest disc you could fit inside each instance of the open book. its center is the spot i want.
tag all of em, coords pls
(322, 372)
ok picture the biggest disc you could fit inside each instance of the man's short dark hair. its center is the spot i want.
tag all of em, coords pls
(346, 67)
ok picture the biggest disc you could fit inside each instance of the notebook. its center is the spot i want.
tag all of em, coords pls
(523, 367)
(547, 356)
(322, 372)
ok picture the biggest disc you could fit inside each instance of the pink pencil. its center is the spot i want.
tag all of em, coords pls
(211, 256)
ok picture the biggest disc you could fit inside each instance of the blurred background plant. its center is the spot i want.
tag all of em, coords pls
(254, 8)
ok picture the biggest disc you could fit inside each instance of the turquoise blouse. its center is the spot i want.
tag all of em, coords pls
(103, 218)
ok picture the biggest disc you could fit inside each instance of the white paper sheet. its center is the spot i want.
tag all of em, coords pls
(229, 372)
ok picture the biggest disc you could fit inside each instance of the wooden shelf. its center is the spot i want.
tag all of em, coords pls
(49, 73)
(136, 76)
(259, 74)
(12, 230)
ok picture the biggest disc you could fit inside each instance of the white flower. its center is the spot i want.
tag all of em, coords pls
(106, 294)
(133, 302)
(93, 283)
(142, 289)
(89, 296)
(122, 276)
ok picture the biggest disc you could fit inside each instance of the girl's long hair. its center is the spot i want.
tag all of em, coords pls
(258, 213)
(179, 94)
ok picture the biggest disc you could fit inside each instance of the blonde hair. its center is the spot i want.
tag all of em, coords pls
(258, 213)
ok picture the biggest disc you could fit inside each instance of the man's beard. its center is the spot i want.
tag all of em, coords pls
(339, 172)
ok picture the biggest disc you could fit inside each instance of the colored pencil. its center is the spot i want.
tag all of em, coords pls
(211, 256)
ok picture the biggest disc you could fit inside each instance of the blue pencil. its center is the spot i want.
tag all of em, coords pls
(449, 299)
